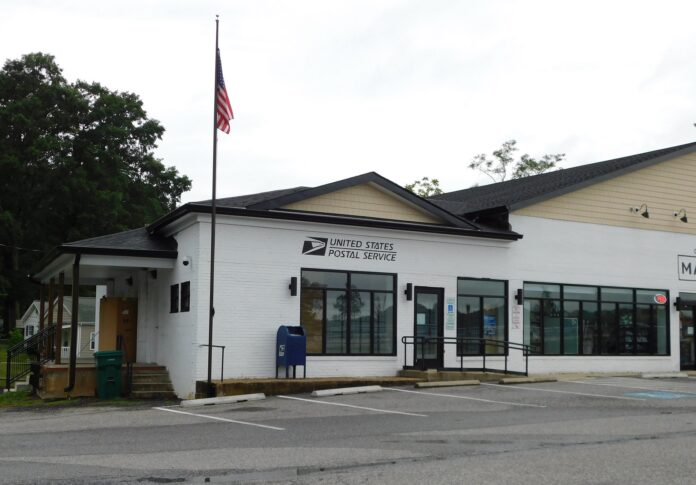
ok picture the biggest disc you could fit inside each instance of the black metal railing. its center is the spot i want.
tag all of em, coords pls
(420, 344)
(37, 349)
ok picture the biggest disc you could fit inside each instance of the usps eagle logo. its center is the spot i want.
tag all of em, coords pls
(315, 246)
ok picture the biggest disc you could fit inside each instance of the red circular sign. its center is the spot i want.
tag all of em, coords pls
(660, 298)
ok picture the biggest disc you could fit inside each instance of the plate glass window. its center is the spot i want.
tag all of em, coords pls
(595, 320)
(174, 298)
(481, 314)
(185, 296)
(348, 313)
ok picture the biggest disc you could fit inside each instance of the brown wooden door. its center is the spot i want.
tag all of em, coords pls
(118, 325)
(127, 327)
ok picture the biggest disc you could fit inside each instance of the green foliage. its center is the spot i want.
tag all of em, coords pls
(16, 336)
(503, 165)
(425, 187)
(76, 161)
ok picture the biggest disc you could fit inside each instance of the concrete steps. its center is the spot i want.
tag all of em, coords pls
(433, 375)
(152, 382)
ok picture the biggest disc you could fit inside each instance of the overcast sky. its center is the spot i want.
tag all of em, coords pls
(324, 90)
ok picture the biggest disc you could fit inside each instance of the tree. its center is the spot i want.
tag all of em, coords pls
(503, 164)
(425, 187)
(76, 161)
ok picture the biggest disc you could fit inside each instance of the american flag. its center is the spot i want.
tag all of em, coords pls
(223, 108)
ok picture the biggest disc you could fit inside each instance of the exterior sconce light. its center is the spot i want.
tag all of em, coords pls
(681, 215)
(519, 296)
(293, 286)
(642, 210)
(409, 291)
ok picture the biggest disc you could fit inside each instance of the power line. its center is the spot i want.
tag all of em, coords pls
(22, 249)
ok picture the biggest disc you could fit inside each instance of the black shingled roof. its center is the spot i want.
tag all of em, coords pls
(134, 241)
(518, 193)
(271, 205)
(251, 199)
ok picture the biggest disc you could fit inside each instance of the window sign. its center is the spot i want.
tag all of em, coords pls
(516, 317)
(451, 302)
(489, 325)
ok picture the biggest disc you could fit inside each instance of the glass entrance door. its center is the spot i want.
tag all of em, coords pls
(428, 323)
(686, 339)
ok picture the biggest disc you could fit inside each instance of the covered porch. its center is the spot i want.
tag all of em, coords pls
(124, 284)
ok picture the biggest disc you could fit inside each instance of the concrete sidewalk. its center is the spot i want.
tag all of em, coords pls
(272, 387)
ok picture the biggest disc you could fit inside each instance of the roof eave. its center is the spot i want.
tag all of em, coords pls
(352, 221)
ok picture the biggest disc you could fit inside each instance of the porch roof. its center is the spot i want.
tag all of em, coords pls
(106, 256)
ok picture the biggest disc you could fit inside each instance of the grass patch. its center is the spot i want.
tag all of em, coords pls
(23, 399)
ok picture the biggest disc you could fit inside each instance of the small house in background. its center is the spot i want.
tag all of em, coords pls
(29, 323)
(86, 335)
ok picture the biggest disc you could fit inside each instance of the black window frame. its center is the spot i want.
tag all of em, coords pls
(348, 289)
(598, 341)
(506, 298)
(174, 298)
(185, 299)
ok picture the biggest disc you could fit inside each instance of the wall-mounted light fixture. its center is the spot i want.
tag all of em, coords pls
(519, 296)
(293, 286)
(129, 281)
(153, 274)
(642, 210)
(409, 291)
(681, 215)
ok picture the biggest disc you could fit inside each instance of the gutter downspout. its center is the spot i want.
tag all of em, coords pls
(73, 323)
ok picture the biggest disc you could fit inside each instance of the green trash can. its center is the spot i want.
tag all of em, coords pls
(108, 373)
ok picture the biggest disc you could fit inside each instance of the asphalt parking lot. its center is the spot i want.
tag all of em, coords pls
(602, 430)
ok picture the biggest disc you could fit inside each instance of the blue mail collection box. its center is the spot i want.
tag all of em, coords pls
(291, 349)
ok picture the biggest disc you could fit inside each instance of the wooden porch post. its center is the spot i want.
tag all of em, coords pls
(73, 322)
(51, 289)
(58, 336)
(42, 306)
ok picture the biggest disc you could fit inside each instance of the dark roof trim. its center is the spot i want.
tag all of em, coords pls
(333, 219)
(601, 178)
(369, 177)
(143, 253)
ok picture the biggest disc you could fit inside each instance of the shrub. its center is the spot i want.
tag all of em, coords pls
(16, 336)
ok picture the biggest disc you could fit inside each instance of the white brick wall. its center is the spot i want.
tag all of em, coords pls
(255, 260)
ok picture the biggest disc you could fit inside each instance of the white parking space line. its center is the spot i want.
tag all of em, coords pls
(631, 387)
(220, 419)
(315, 401)
(525, 388)
(466, 398)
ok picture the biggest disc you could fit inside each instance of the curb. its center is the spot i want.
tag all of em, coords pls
(526, 380)
(346, 390)
(222, 400)
(472, 382)
(664, 375)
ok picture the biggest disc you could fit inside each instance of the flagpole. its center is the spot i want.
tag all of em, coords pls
(211, 311)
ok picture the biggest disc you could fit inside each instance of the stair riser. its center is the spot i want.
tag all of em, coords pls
(154, 395)
(153, 387)
(152, 379)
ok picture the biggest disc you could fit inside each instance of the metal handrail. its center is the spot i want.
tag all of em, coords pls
(39, 346)
(422, 341)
